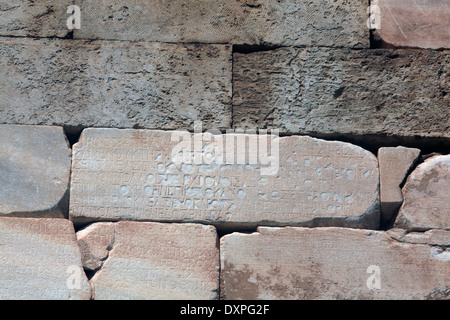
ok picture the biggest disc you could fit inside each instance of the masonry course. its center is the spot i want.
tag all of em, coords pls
(338, 92)
(134, 175)
(77, 84)
(339, 23)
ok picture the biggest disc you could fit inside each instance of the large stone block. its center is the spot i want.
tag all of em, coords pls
(426, 196)
(419, 23)
(34, 171)
(330, 263)
(114, 83)
(47, 18)
(125, 174)
(40, 260)
(340, 23)
(324, 91)
(395, 164)
(147, 260)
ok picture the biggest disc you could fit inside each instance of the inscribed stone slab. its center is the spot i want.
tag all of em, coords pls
(135, 175)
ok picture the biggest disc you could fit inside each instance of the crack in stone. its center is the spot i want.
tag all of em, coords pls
(402, 238)
(104, 259)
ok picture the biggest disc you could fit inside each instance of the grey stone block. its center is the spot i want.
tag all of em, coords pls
(124, 84)
(34, 171)
(339, 23)
(402, 93)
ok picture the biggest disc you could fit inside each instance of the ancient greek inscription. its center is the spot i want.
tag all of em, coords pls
(34, 257)
(126, 174)
(160, 260)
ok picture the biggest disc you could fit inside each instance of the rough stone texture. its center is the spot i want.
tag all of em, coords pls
(394, 164)
(324, 91)
(34, 18)
(121, 174)
(419, 23)
(437, 237)
(95, 241)
(36, 257)
(329, 263)
(34, 171)
(150, 260)
(114, 84)
(340, 23)
(426, 196)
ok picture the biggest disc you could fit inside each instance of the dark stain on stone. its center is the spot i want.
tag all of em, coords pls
(338, 92)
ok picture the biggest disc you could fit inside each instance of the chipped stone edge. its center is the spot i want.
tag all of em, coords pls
(401, 220)
(110, 247)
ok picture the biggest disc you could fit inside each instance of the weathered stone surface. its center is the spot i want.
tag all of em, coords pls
(420, 23)
(114, 84)
(95, 242)
(426, 196)
(344, 92)
(437, 237)
(150, 260)
(124, 174)
(339, 23)
(34, 171)
(394, 164)
(40, 259)
(330, 263)
(34, 18)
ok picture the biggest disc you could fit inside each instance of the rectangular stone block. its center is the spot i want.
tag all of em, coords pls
(125, 174)
(40, 260)
(47, 18)
(340, 92)
(395, 164)
(114, 83)
(148, 261)
(339, 23)
(406, 23)
(34, 171)
(330, 263)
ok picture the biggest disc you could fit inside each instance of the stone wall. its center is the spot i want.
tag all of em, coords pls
(241, 149)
